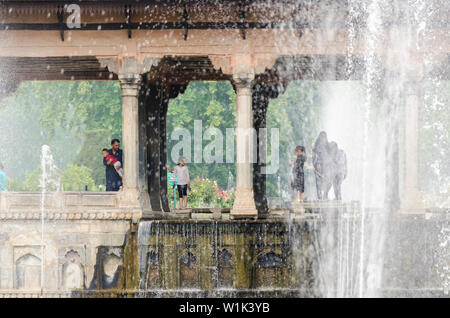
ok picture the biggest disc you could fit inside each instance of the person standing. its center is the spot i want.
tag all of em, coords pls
(320, 162)
(2, 178)
(183, 182)
(341, 173)
(113, 179)
(298, 173)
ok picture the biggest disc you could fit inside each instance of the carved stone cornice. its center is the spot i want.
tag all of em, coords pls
(86, 9)
(64, 206)
(71, 215)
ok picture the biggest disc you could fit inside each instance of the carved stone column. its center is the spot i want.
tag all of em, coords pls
(130, 84)
(130, 72)
(411, 198)
(244, 203)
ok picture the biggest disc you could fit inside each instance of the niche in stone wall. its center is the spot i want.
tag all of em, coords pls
(72, 271)
(111, 264)
(225, 269)
(268, 268)
(189, 276)
(28, 272)
(108, 266)
(153, 278)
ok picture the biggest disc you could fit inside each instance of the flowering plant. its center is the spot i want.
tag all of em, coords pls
(225, 199)
(205, 193)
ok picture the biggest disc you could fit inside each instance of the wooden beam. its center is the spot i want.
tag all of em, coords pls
(152, 26)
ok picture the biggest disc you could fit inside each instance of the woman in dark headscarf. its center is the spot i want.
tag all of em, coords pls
(320, 154)
(297, 171)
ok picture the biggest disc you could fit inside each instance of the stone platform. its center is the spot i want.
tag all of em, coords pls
(94, 248)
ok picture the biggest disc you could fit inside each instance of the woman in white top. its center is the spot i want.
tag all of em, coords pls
(183, 182)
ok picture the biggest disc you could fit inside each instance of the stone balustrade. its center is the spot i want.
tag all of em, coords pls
(34, 294)
(65, 205)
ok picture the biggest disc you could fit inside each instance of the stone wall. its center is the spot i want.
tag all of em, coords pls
(67, 205)
(74, 251)
(212, 255)
(118, 257)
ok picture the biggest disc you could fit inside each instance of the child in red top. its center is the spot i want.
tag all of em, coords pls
(111, 160)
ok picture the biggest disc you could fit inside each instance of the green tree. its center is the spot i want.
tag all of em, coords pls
(90, 154)
(434, 138)
(33, 181)
(296, 114)
(204, 192)
(77, 178)
(214, 104)
(13, 185)
(63, 115)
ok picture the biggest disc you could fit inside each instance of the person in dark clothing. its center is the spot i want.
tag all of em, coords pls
(113, 180)
(320, 154)
(340, 173)
(298, 182)
(330, 171)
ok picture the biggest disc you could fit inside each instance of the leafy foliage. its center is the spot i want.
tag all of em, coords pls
(13, 185)
(90, 154)
(214, 104)
(296, 114)
(77, 178)
(78, 119)
(205, 193)
(33, 181)
(74, 178)
(434, 143)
